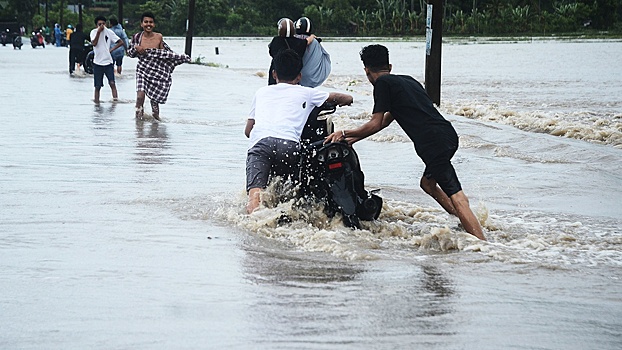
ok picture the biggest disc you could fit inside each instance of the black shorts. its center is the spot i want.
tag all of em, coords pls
(440, 169)
(271, 157)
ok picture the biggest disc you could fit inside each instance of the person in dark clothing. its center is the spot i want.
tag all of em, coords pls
(402, 98)
(76, 48)
(286, 40)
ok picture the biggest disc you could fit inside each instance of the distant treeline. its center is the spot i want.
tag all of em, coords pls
(341, 17)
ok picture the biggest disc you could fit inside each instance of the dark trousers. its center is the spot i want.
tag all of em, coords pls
(75, 56)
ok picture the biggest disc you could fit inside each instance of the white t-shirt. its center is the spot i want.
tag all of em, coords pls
(282, 110)
(102, 49)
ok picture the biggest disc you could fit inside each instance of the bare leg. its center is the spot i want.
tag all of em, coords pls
(96, 96)
(140, 101)
(466, 216)
(430, 187)
(119, 70)
(457, 205)
(253, 200)
(155, 109)
(115, 95)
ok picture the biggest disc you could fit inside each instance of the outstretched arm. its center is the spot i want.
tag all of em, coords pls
(379, 121)
(340, 99)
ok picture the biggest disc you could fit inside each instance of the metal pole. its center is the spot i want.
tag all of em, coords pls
(47, 19)
(120, 13)
(190, 27)
(434, 37)
(80, 13)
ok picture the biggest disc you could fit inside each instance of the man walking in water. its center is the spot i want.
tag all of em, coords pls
(402, 98)
(101, 37)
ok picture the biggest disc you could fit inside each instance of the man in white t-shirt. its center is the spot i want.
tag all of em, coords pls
(278, 115)
(102, 37)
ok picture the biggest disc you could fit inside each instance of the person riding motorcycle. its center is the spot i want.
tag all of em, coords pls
(277, 117)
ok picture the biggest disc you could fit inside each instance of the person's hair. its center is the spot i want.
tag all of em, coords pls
(99, 18)
(78, 27)
(287, 65)
(375, 57)
(147, 14)
(113, 21)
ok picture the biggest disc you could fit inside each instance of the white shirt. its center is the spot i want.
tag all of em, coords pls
(102, 49)
(282, 110)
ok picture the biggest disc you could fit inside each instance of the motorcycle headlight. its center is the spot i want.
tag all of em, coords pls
(345, 152)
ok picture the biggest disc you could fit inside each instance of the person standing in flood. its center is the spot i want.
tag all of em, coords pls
(101, 37)
(156, 62)
(402, 98)
(57, 34)
(117, 55)
(76, 49)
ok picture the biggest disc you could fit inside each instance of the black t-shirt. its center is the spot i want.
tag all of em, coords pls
(413, 109)
(76, 40)
(279, 44)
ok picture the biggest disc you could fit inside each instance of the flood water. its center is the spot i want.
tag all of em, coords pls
(117, 233)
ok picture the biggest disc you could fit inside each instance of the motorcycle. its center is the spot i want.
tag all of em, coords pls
(36, 39)
(4, 38)
(88, 59)
(17, 42)
(331, 173)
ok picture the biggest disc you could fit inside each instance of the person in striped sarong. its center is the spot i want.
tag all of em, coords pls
(156, 62)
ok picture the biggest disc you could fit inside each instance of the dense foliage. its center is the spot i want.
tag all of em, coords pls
(344, 17)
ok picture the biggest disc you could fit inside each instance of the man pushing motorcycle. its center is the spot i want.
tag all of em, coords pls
(402, 98)
(276, 120)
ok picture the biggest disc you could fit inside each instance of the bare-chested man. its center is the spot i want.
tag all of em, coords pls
(156, 63)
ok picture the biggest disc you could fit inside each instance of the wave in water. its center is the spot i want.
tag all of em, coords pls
(410, 231)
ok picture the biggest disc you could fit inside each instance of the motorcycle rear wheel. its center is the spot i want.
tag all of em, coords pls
(88, 62)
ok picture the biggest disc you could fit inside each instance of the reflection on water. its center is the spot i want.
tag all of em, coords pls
(151, 142)
(302, 300)
(274, 267)
(102, 117)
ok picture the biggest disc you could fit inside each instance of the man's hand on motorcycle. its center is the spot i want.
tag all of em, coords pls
(338, 136)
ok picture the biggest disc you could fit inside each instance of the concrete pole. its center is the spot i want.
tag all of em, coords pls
(190, 27)
(434, 37)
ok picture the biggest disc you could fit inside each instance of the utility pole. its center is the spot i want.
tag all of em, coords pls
(80, 13)
(190, 27)
(434, 37)
(120, 13)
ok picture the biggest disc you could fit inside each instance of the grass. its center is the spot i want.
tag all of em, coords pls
(200, 61)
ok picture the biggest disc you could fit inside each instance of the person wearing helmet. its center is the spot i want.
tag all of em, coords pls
(316, 63)
(285, 40)
(68, 33)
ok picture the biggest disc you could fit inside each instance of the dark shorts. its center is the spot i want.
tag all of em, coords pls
(118, 59)
(100, 71)
(271, 157)
(440, 169)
